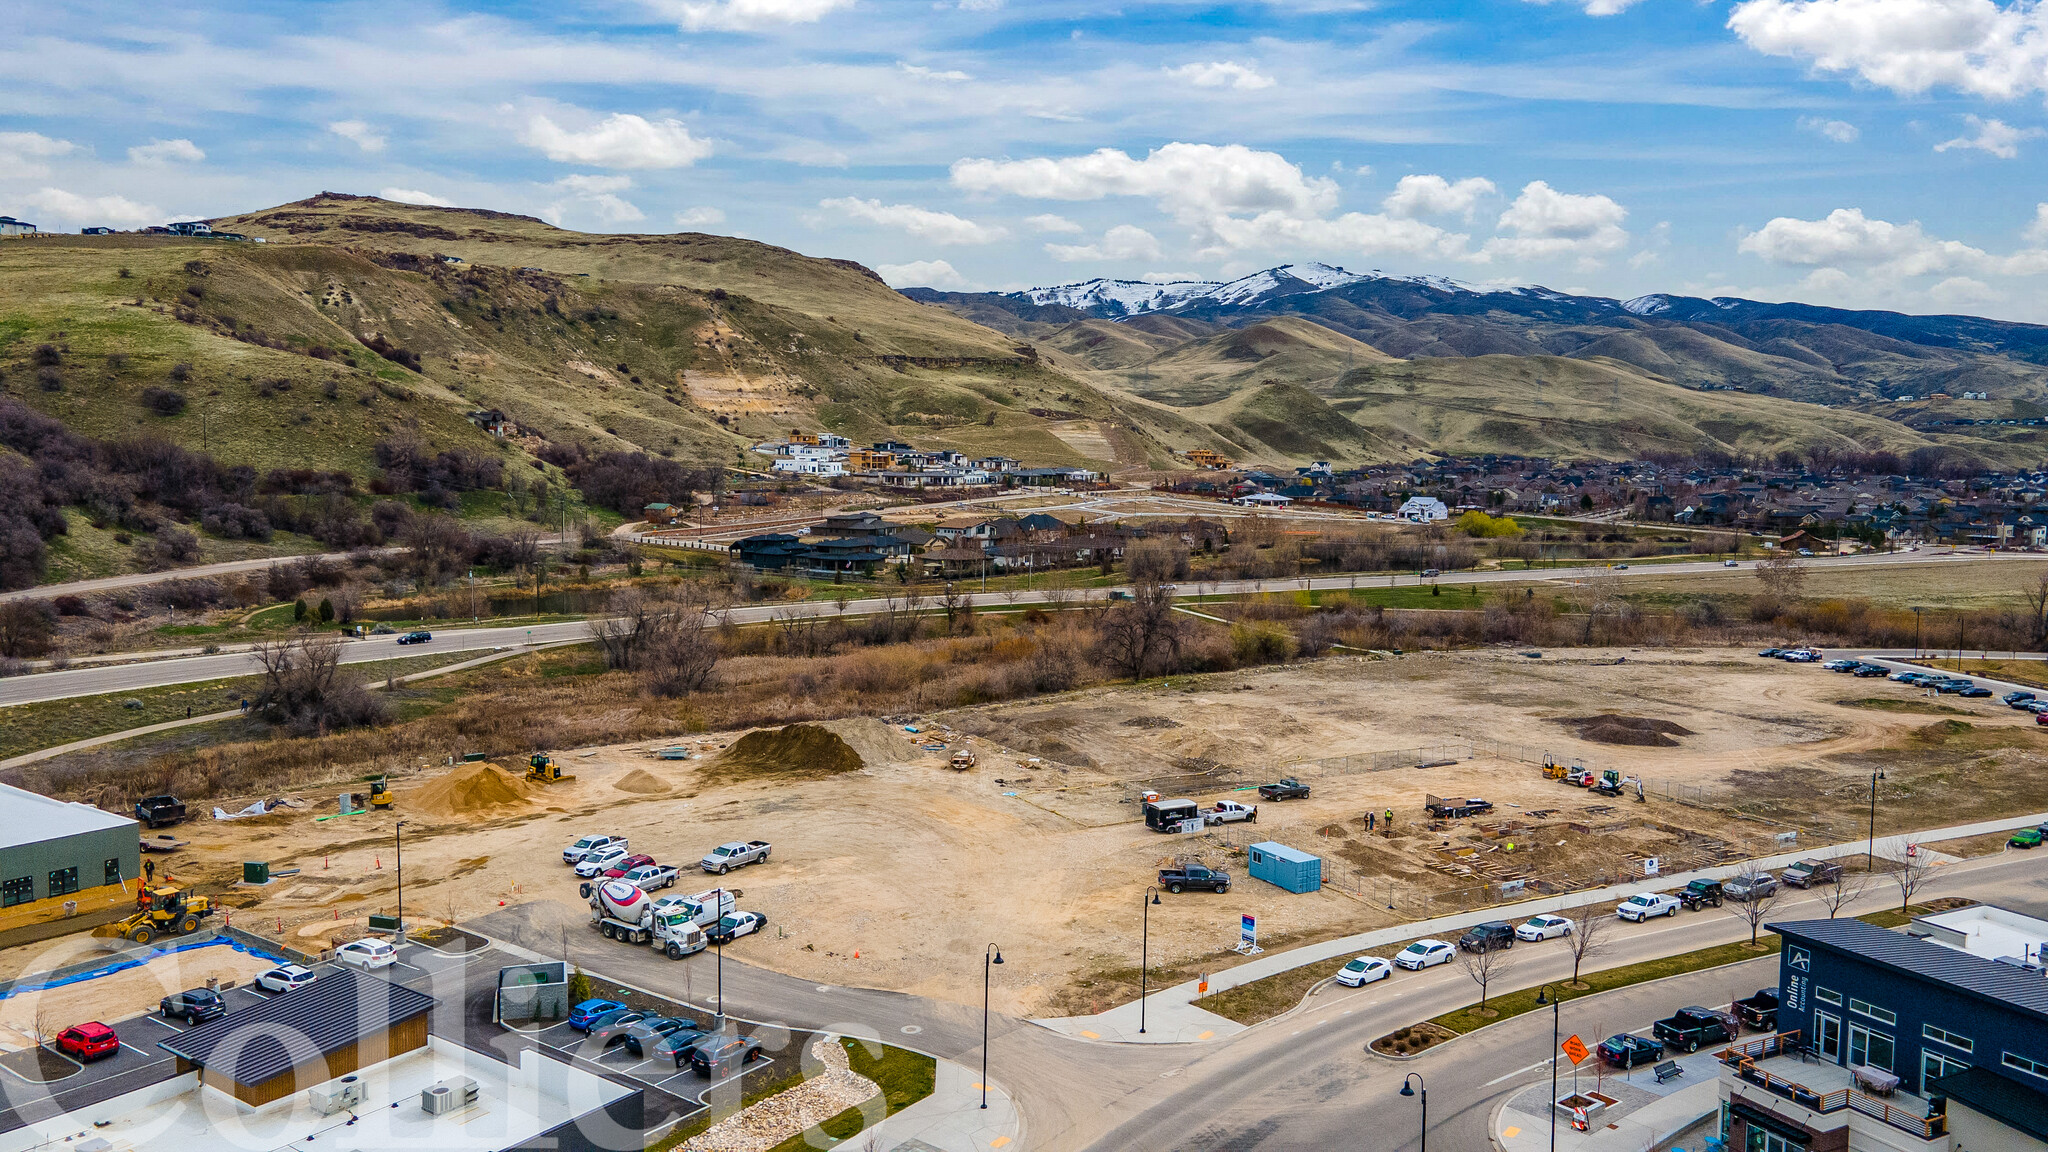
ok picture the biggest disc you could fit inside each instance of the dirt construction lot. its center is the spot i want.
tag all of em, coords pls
(914, 867)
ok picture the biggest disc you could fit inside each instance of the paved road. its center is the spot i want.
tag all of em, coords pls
(1302, 1081)
(147, 673)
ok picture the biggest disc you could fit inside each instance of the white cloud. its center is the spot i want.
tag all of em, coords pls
(1840, 131)
(1994, 136)
(750, 15)
(1546, 223)
(1222, 74)
(158, 152)
(364, 136)
(94, 210)
(979, 5)
(1599, 7)
(923, 223)
(921, 72)
(601, 195)
(1049, 222)
(699, 217)
(1417, 196)
(1963, 292)
(22, 153)
(811, 154)
(1191, 182)
(620, 140)
(1908, 46)
(1847, 237)
(2037, 230)
(1123, 242)
(921, 274)
(415, 196)
(1367, 234)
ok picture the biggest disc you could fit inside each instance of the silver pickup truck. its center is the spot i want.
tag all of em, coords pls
(737, 854)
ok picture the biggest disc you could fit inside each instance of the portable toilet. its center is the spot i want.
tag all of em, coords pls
(1289, 868)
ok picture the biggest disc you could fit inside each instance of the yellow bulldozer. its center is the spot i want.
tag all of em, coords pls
(542, 769)
(161, 911)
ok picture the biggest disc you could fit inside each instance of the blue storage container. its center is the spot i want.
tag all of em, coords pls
(1290, 869)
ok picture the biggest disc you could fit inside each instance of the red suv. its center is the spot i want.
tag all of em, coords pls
(88, 1041)
(627, 865)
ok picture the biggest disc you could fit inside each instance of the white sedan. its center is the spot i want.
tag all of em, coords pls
(1424, 954)
(284, 978)
(1364, 970)
(367, 954)
(1543, 928)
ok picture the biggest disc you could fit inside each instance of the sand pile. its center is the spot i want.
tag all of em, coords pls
(642, 781)
(470, 789)
(1636, 731)
(797, 751)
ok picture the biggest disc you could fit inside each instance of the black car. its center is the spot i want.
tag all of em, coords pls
(715, 1055)
(2018, 699)
(1771, 652)
(1699, 894)
(615, 1027)
(1974, 692)
(416, 637)
(193, 1005)
(1626, 1050)
(642, 1036)
(676, 1045)
(1488, 936)
(1866, 671)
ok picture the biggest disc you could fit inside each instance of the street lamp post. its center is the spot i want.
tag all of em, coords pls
(990, 957)
(1408, 1089)
(398, 840)
(1917, 610)
(1144, 949)
(718, 906)
(1556, 1003)
(1870, 845)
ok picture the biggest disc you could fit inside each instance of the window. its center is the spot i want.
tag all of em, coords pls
(1934, 1064)
(1944, 1036)
(1871, 1049)
(1882, 1015)
(64, 881)
(1827, 996)
(19, 890)
(2024, 1064)
(1762, 1141)
(113, 870)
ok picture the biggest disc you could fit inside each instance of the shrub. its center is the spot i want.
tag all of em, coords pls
(164, 401)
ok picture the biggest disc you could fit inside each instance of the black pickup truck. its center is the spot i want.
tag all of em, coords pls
(1288, 789)
(1760, 1011)
(1193, 876)
(1694, 1026)
(157, 811)
(1456, 807)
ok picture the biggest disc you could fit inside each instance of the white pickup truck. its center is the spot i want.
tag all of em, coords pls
(648, 877)
(1230, 812)
(703, 909)
(575, 853)
(737, 854)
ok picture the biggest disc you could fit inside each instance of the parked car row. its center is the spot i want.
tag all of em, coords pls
(1941, 682)
(1691, 1027)
(612, 858)
(1792, 655)
(648, 1035)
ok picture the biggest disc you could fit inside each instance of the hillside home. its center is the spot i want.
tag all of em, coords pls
(9, 226)
(1423, 510)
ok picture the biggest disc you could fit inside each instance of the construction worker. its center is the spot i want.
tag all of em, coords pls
(1390, 820)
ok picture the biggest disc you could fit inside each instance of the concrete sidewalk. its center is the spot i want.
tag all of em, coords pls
(1645, 1112)
(951, 1119)
(1173, 1018)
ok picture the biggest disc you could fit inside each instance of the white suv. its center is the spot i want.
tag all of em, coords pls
(1644, 905)
(602, 859)
(367, 954)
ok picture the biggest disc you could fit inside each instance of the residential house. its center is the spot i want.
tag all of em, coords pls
(1423, 510)
(661, 515)
(869, 460)
(191, 228)
(9, 226)
(1203, 458)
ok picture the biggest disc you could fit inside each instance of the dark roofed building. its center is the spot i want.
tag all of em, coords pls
(1986, 1109)
(341, 1022)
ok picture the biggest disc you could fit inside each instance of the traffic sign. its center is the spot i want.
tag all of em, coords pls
(1576, 1049)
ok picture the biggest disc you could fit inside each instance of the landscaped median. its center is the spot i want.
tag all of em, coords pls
(777, 1112)
(1451, 1025)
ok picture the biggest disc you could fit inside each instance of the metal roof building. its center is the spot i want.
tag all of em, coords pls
(52, 848)
(343, 1021)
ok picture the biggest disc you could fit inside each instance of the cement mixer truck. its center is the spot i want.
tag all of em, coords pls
(623, 911)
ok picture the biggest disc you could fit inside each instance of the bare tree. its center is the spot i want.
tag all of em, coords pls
(955, 603)
(623, 632)
(1845, 889)
(1140, 635)
(1782, 575)
(2037, 609)
(1484, 967)
(681, 653)
(1587, 939)
(1057, 595)
(303, 687)
(1911, 874)
(1758, 908)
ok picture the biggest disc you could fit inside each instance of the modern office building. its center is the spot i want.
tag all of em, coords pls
(50, 849)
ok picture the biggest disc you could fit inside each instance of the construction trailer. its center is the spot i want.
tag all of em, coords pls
(1285, 867)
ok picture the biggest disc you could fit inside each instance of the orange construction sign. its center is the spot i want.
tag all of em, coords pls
(1576, 1049)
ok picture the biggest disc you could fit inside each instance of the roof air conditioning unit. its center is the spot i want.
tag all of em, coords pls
(450, 1095)
(341, 1096)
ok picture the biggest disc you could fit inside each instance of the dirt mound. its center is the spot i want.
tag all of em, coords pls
(642, 781)
(797, 751)
(1637, 731)
(1151, 722)
(468, 790)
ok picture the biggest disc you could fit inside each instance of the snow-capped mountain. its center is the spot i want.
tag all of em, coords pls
(1120, 298)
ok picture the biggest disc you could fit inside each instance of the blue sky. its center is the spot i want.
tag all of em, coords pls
(1871, 153)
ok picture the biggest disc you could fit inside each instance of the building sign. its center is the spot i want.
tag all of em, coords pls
(1795, 993)
(1650, 866)
(1247, 930)
(1798, 959)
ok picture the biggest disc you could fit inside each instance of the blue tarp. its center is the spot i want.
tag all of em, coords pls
(130, 960)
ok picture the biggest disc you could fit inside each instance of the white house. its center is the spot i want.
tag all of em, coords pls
(1423, 510)
(810, 466)
(9, 226)
(1263, 500)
